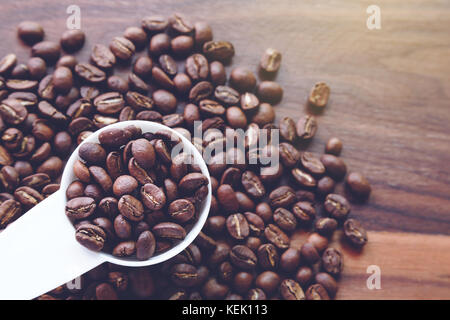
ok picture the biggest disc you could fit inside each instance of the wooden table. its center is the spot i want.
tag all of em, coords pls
(389, 104)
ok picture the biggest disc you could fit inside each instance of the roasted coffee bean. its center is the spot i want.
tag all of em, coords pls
(27, 196)
(197, 67)
(165, 101)
(289, 154)
(12, 111)
(182, 83)
(211, 108)
(276, 236)
(49, 111)
(306, 127)
(137, 83)
(317, 292)
(138, 101)
(80, 208)
(358, 185)
(181, 210)
(193, 181)
(12, 138)
(109, 103)
(264, 115)
(30, 32)
(325, 186)
(169, 231)
(309, 253)
(319, 242)
(268, 281)
(109, 207)
(332, 261)
(337, 206)
(143, 66)
(145, 245)
(335, 166)
(249, 101)
(103, 57)
(47, 50)
(288, 129)
(180, 24)
(173, 120)
(53, 166)
(7, 63)
(304, 211)
(122, 227)
(24, 169)
(10, 210)
(242, 257)
(333, 146)
(21, 84)
(159, 44)
(90, 73)
(27, 99)
(319, 95)
(242, 79)
(268, 257)
(137, 36)
(91, 236)
(154, 24)
(168, 65)
(253, 185)
(72, 40)
(46, 89)
(184, 275)
(153, 197)
(94, 191)
(81, 171)
(125, 249)
(200, 91)
(20, 71)
(36, 181)
(144, 153)
(282, 196)
(327, 282)
(222, 51)
(75, 189)
(124, 184)
(355, 233)
(311, 163)
(237, 226)
(67, 61)
(36, 67)
(290, 260)
(131, 208)
(92, 153)
(227, 95)
(284, 219)
(291, 290)
(122, 48)
(114, 137)
(140, 173)
(270, 61)
(326, 226)
(269, 91)
(303, 179)
(214, 290)
(227, 198)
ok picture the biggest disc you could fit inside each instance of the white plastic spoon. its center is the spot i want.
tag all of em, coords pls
(39, 251)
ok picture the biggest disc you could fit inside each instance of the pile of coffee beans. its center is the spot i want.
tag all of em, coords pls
(245, 250)
(122, 190)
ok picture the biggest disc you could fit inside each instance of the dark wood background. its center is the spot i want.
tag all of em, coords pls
(389, 104)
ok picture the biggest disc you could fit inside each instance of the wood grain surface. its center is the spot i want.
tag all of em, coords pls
(389, 104)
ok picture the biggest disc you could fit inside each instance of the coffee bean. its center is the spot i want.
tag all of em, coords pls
(253, 185)
(319, 95)
(144, 153)
(179, 23)
(355, 233)
(270, 60)
(80, 208)
(309, 253)
(200, 91)
(92, 153)
(242, 257)
(90, 73)
(154, 24)
(169, 230)
(182, 45)
(184, 275)
(222, 51)
(306, 127)
(36, 67)
(66, 61)
(181, 210)
(326, 226)
(268, 257)
(122, 48)
(159, 44)
(268, 281)
(337, 206)
(255, 223)
(358, 185)
(316, 292)
(325, 186)
(327, 282)
(30, 32)
(165, 101)
(217, 73)
(211, 108)
(12, 111)
(27, 196)
(122, 227)
(312, 164)
(282, 196)
(137, 36)
(264, 115)
(125, 249)
(269, 91)
(138, 101)
(47, 50)
(290, 260)
(145, 245)
(303, 179)
(288, 129)
(10, 210)
(333, 146)
(153, 197)
(276, 236)
(291, 290)
(335, 166)
(227, 95)
(131, 208)
(237, 226)
(103, 57)
(284, 219)
(72, 40)
(332, 261)
(124, 184)
(91, 236)
(304, 211)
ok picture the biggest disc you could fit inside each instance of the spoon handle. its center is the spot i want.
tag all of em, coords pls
(39, 252)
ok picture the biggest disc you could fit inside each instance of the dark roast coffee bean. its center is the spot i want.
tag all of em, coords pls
(75, 189)
(355, 233)
(227, 95)
(138, 101)
(159, 44)
(222, 51)
(124, 184)
(304, 211)
(140, 173)
(184, 275)
(181, 210)
(27, 196)
(144, 153)
(21, 84)
(122, 48)
(288, 129)
(358, 185)
(72, 40)
(12, 111)
(227, 198)
(67, 61)
(242, 79)
(269, 91)
(253, 185)
(317, 292)
(319, 95)
(80, 208)
(90, 73)
(337, 206)
(282, 196)
(291, 290)
(153, 197)
(303, 179)
(325, 186)
(270, 60)
(197, 67)
(200, 91)
(242, 257)
(276, 236)
(309, 253)
(154, 24)
(265, 114)
(103, 57)
(92, 153)
(306, 127)
(327, 282)
(192, 181)
(284, 219)
(165, 101)
(30, 31)
(114, 137)
(168, 65)
(10, 210)
(145, 245)
(36, 181)
(122, 227)
(179, 23)
(169, 231)
(332, 261)
(326, 226)
(47, 50)
(335, 166)
(91, 236)
(268, 257)
(255, 223)
(289, 154)
(137, 83)
(237, 226)
(125, 249)
(137, 36)
(109, 103)
(131, 208)
(290, 260)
